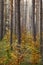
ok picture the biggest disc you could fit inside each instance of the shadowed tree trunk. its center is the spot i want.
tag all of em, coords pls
(2, 14)
(34, 26)
(11, 39)
(41, 39)
(18, 22)
(15, 17)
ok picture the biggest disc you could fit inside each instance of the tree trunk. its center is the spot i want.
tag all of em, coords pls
(2, 12)
(11, 39)
(15, 16)
(37, 16)
(34, 25)
(25, 14)
(41, 39)
(18, 22)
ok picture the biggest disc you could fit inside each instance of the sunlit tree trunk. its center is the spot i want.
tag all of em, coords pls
(37, 16)
(34, 25)
(25, 14)
(41, 39)
(22, 15)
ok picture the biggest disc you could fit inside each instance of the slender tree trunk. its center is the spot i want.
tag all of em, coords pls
(34, 26)
(25, 14)
(15, 17)
(37, 16)
(41, 39)
(22, 15)
(11, 39)
(18, 25)
(2, 12)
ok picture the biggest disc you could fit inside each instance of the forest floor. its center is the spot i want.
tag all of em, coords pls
(29, 55)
